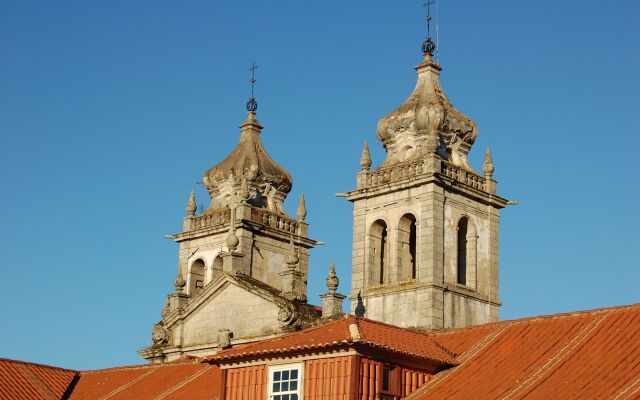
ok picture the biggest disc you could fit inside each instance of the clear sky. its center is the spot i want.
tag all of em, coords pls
(111, 111)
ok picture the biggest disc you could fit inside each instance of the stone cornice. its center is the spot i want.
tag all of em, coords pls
(416, 181)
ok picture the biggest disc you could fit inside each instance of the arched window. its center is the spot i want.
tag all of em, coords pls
(217, 265)
(196, 277)
(378, 252)
(467, 248)
(407, 233)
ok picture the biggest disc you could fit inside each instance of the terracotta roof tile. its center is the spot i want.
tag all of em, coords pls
(23, 380)
(192, 380)
(583, 355)
(336, 333)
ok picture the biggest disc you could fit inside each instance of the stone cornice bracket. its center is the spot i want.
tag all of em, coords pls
(365, 158)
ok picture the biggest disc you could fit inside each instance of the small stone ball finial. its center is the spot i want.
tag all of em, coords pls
(191, 205)
(301, 212)
(232, 242)
(292, 259)
(179, 283)
(487, 166)
(332, 280)
(365, 158)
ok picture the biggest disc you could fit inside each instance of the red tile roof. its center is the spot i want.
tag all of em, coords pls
(171, 381)
(373, 334)
(23, 380)
(583, 355)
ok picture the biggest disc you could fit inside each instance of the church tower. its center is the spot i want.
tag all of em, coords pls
(242, 262)
(425, 227)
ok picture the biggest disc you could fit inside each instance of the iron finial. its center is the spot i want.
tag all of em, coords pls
(428, 46)
(252, 104)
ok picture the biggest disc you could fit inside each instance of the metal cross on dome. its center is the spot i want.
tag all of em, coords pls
(428, 47)
(252, 104)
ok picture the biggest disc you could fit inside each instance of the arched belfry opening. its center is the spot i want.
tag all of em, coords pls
(407, 247)
(216, 268)
(378, 252)
(466, 253)
(196, 277)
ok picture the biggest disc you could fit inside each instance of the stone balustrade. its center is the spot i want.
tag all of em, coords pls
(399, 172)
(394, 173)
(462, 175)
(273, 220)
(210, 219)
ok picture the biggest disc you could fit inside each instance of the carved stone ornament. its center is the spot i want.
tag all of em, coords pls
(426, 113)
(160, 335)
(287, 316)
(224, 338)
(248, 172)
(166, 309)
(332, 280)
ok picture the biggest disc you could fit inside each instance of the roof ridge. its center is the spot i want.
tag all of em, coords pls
(544, 317)
(284, 336)
(37, 364)
(143, 366)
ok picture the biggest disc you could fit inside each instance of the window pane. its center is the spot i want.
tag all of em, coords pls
(276, 376)
(277, 397)
(276, 387)
(285, 375)
(294, 374)
(285, 386)
(293, 385)
(294, 397)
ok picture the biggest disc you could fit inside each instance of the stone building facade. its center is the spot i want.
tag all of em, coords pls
(242, 262)
(425, 237)
(425, 224)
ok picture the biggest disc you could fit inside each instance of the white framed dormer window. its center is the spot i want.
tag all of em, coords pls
(285, 382)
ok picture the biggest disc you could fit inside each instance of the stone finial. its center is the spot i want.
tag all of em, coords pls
(365, 158)
(332, 301)
(354, 331)
(332, 280)
(487, 166)
(301, 212)
(232, 240)
(224, 338)
(179, 283)
(292, 259)
(191, 205)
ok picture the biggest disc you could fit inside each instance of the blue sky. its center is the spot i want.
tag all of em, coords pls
(110, 112)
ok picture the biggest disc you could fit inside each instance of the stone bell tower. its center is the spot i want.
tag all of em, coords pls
(425, 227)
(242, 262)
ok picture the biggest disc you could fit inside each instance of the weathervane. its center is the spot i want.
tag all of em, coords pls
(252, 104)
(428, 47)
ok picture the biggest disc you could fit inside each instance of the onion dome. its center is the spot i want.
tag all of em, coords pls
(427, 111)
(248, 174)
